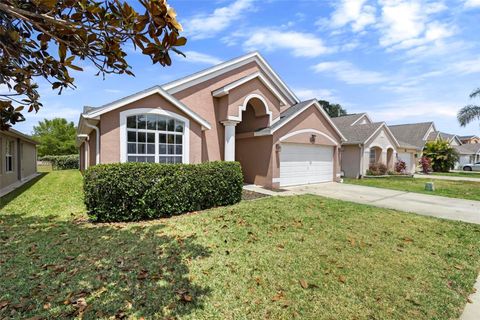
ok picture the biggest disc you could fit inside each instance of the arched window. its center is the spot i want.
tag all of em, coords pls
(155, 138)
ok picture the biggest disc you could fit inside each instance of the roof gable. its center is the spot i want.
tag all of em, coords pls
(295, 110)
(257, 75)
(215, 71)
(95, 113)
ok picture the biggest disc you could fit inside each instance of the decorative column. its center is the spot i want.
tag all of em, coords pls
(229, 139)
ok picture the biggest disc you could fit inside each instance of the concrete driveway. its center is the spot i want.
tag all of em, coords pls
(441, 207)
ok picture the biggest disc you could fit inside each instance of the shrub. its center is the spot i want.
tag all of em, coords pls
(442, 155)
(426, 165)
(71, 161)
(377, 169)
(400, 166)
(140, 191)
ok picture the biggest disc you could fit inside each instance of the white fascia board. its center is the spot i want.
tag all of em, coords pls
(202, 76)
(226, 89)
(135, 97)
(384, 125)
(319, 107)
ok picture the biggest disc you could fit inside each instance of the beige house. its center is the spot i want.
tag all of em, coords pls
(238, 110)
(367, 143)
(18, 159)
(472, 139)
(412, 138)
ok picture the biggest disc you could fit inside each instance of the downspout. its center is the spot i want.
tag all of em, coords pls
(362, 156)
(97, 141)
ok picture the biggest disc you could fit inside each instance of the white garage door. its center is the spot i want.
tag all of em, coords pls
(407, 157)
(304, 164)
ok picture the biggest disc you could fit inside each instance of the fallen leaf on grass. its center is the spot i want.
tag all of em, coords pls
(3, 304)
(407, 239)
(47, 306)
(303, 283)
(279, 296)
(458, 267)
(342, 279)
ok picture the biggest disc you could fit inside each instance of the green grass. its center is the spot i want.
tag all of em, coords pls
(446, 188)
(303, 257)
(470, 174)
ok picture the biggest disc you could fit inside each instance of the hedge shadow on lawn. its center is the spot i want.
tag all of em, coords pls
(6, 199)
(47, 265)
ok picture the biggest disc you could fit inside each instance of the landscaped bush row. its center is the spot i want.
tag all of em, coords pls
(140, 191)
(71, 161)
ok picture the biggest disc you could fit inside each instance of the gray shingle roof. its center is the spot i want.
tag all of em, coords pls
(359, 133)
(472, 148)
(347, 120)
(411, 134)
(446, 136)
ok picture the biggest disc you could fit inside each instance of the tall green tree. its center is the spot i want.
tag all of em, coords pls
(333, 109)
(441, 154)
(46, 39)
(471, 112)
(56, 137)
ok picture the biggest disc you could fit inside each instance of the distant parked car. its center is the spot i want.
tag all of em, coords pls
(472, 167)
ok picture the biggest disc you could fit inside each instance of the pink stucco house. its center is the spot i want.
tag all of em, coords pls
(238, 110)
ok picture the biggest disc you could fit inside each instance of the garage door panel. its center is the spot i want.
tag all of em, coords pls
(304, 164)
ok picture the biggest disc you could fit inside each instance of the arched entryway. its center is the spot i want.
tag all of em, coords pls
(252, 152)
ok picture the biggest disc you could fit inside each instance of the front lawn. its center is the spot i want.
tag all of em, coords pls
(303, 257)
(446, 188)
(469, 174)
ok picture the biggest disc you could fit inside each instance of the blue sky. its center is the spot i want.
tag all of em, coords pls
(400, 61)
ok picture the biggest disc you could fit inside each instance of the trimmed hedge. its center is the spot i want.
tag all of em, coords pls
(140, 191)
(71, 161)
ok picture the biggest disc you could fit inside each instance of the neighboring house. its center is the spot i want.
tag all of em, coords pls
(412, 138)
(469, 139)
(18, 159)
(367, 143)
(468, 153)
(238, 110)
(452, 139)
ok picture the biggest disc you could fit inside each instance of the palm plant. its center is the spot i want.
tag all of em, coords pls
(471, 112)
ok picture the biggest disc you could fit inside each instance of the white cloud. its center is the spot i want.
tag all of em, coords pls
(467, 66)
(206, 26)
(198, 57)
(408, 24)
(354, 12)
(300, 44)
(472, 3)
(321, 94)
(348, 73)
(415, 110)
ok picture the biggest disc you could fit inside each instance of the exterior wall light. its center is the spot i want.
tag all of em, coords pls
(313, 138)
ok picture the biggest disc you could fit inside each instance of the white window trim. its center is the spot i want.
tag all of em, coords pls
(132, 112)
(7, 154)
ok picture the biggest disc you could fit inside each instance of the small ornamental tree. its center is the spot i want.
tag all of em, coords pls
(426, 165)
(400, 166)
(47, 38)
(442, 155)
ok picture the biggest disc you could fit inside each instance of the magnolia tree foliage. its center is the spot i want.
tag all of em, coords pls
(441, 154)
(47, 38)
